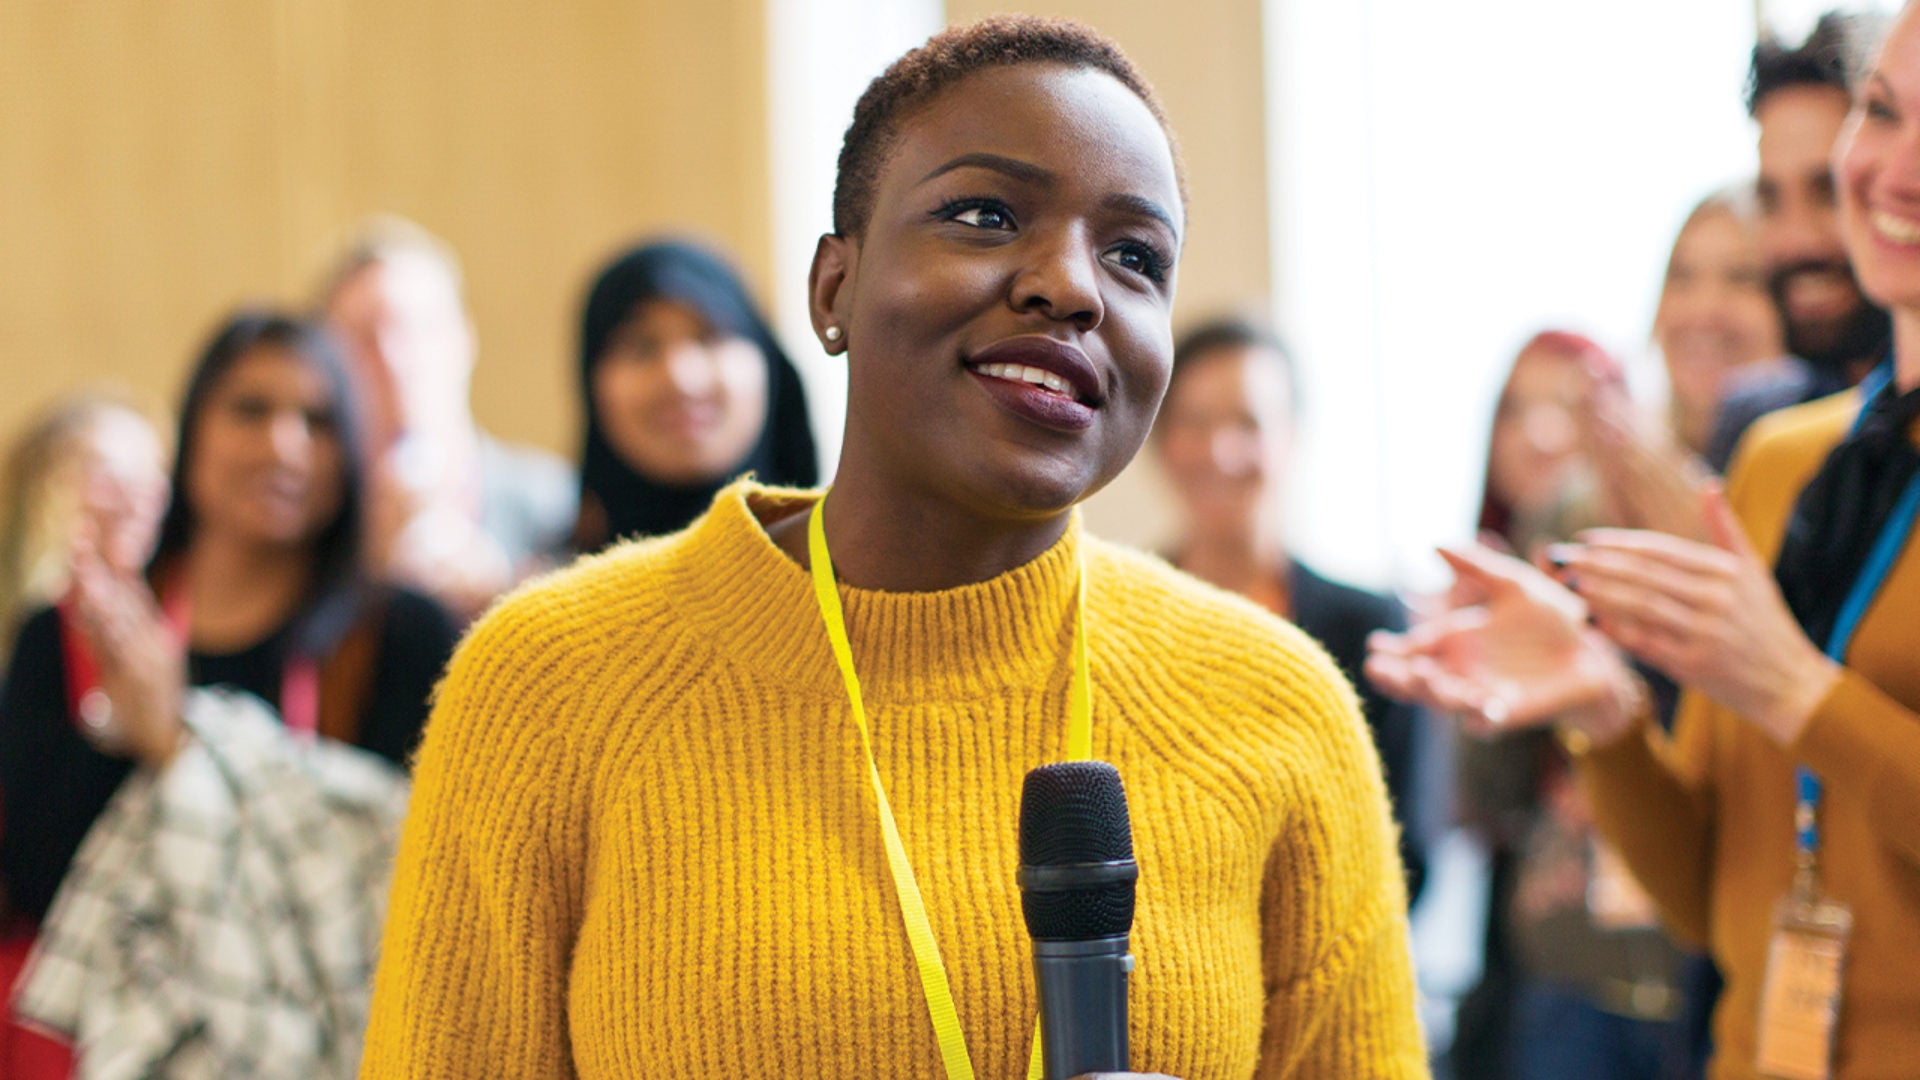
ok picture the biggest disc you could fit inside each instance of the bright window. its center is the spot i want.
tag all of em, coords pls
(1448, 179)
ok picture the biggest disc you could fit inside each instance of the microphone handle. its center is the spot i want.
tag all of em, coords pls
(1083, 1005)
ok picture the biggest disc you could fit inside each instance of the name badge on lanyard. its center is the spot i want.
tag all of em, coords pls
(1800, 998)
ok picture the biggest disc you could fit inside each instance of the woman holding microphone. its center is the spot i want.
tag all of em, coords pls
(647, 833)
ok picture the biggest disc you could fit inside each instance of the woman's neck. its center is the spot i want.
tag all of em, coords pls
(1906, 348)
(241, 592)
(1235, 560)
(893, 541)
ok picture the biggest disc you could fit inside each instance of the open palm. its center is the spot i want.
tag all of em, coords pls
(1518, 657)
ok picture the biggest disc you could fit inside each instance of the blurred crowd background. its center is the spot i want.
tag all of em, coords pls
(1394, 198)
(1410, 192)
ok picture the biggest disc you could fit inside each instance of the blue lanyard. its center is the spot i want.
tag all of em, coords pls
(1873, 575)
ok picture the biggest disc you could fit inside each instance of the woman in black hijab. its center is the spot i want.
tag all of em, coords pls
(685, 388)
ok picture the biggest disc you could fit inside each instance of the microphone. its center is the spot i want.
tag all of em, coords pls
(1076, 889)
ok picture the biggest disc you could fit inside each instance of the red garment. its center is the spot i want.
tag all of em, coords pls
(26, 1054)
(299, 689)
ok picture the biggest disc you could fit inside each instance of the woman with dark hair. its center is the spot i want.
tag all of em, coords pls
(1540, 481)
(652, 825)
(256, 584)
(684, 388)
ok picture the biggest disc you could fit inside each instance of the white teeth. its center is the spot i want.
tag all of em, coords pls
(1897, 229)
(1034, 375)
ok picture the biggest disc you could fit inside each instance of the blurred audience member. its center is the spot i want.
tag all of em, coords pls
(684, 388)
(1716, 315)
(1835, 333)
(92, 461)
(1716, 321)
(1780, 822)
(1225, 439)
(1540, 483)
(256, 585)
(89, 465)
(1579, 980)
(451, 509)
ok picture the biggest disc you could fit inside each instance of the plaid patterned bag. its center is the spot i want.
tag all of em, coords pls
(222, 916)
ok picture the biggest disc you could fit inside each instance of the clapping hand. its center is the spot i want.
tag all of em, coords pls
(1644, 484)
(1512, 650)
(1710, 615)
(141, 663)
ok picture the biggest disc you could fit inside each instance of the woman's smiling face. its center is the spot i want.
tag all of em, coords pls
(1007, 308)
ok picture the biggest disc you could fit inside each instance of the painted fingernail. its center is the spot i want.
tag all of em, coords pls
(1558, 555)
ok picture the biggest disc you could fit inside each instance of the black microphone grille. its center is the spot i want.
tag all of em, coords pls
(1076, 852)
(1074, 812)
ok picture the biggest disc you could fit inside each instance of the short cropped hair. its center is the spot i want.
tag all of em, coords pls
(1834, 55)
(1233, 332)
(950, 56)
(380, 239)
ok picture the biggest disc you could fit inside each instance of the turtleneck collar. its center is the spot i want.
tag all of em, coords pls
(744, 593)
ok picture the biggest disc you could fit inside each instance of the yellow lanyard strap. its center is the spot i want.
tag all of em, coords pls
(926, 952)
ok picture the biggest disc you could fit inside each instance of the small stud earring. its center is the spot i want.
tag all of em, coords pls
(831, 333)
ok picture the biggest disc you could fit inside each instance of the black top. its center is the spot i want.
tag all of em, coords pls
(1340, 617)
(55, 783)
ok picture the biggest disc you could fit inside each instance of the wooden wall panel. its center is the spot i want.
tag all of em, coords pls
(138, 192)
(161, 163)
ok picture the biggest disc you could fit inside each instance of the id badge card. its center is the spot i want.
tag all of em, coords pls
(1800, 999)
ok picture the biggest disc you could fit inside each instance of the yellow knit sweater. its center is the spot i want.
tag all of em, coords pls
(642, 842)
(1706, 818)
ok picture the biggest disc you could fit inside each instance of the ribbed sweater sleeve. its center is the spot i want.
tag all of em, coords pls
(1340, 1001)
(488, 886)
